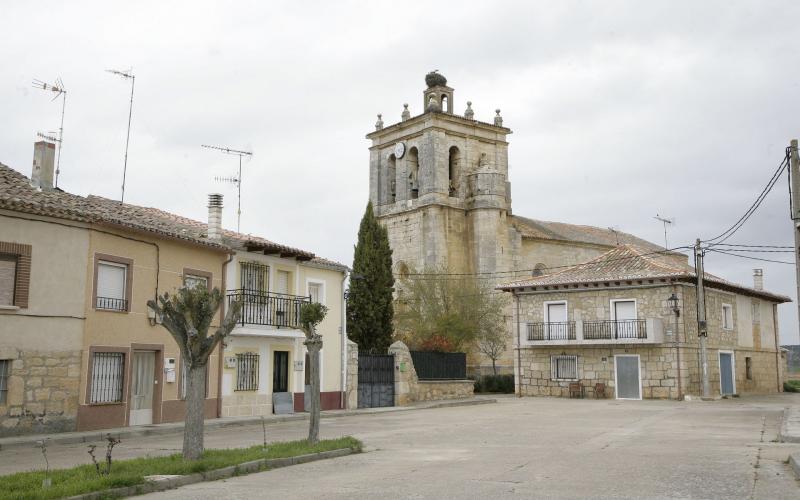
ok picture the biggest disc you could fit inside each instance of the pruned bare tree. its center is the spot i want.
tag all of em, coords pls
(311, 315)
(187, 315)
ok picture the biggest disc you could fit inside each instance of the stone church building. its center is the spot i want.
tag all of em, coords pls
(439, 183)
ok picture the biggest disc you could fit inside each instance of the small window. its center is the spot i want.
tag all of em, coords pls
(756, 307)
(748, 367)
(539, 270)
(191, 281)
(108, 370)
(5, 372)
(8, 278)
(315, 292)
(247, 372)
(727, 316)
(564, 367)
(112, 279)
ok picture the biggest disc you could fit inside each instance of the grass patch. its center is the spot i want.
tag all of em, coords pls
(791, 385)
(84, 478)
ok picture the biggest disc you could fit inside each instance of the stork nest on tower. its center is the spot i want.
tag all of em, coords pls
(434, 79)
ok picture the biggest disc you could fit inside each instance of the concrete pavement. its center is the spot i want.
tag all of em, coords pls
(517, 448)
(541, 447)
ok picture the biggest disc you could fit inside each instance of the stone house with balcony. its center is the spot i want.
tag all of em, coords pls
(79, 349)
(608, 325)
(265, 359)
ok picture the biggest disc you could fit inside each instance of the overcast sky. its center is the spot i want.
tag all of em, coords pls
(620, 110)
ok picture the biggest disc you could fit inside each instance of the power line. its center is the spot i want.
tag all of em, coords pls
(756, 246)
(757, 250)
(750, 211)
(496, 274)
(752, 258)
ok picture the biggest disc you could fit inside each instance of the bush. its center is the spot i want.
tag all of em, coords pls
(791, 386)
(503, 384)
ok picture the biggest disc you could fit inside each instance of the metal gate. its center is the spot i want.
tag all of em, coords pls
(375, 380)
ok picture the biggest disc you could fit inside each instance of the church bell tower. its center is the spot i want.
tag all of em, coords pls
(439, 184)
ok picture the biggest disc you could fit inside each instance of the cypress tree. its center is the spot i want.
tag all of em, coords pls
(370, 309)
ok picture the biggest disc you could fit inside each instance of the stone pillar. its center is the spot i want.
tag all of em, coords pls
(351, 397)
(405, 376)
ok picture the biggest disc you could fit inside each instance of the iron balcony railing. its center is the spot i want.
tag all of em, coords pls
(111, 304)
(560, 330)
(269, 308)
(615, 329)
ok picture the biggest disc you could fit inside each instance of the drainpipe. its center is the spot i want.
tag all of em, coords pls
(519, 349)
(777, 346)
(343, 396)
(220, 364)
(677, 313)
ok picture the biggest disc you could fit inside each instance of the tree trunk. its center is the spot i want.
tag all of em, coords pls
(314, 346)
(195, 406)
(494, 367)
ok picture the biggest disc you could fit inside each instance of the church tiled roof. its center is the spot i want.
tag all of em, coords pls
(561, 231)
(629, 263)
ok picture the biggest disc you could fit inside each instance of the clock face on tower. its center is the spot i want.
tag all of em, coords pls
(399, 150)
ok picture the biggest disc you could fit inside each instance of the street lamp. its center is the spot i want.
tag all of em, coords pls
(673, 304)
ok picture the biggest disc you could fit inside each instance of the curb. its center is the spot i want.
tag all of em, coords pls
(794, 461)
(784, 436)
(217, 423)
(213, 475)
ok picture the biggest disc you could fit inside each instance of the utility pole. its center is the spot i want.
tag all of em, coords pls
(702, 330)
(794, 182)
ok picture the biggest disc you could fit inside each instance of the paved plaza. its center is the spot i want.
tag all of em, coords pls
(516, 448)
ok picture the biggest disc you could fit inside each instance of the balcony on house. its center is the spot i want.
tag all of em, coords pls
(268, 308)
(627, 331)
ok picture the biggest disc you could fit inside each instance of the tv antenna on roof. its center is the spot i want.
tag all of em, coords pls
(666, 221)
(128, 75)
(58, 90)
(235, 180)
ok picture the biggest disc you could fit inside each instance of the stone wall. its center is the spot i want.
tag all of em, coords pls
(42, 391)
(409, 389)
(435, 390)
(351, 399)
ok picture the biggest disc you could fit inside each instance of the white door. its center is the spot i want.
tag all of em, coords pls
(283, 305)
(143, 380)
(557, 321)
(624, 315)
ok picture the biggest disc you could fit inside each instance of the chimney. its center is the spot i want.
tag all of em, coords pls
(44, 154)
(758, 279)
(215, 216)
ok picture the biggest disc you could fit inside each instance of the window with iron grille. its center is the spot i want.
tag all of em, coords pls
(564, 367)
(191, 281)
(247, 372)
(254, 277)
(108, 376)
(5, 371)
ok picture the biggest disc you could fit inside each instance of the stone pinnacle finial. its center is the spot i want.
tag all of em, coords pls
(406, 113)
(469, 114)
(498, 120)
(379, 123)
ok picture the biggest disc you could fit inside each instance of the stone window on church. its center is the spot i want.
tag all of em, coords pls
(454, 160)
(413, 173)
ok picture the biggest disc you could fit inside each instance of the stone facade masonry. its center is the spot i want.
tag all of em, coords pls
(352, 375)
(409, 389)
(42, 391)
(659, 361)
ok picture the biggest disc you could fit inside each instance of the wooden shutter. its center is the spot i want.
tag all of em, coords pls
(8, 274)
